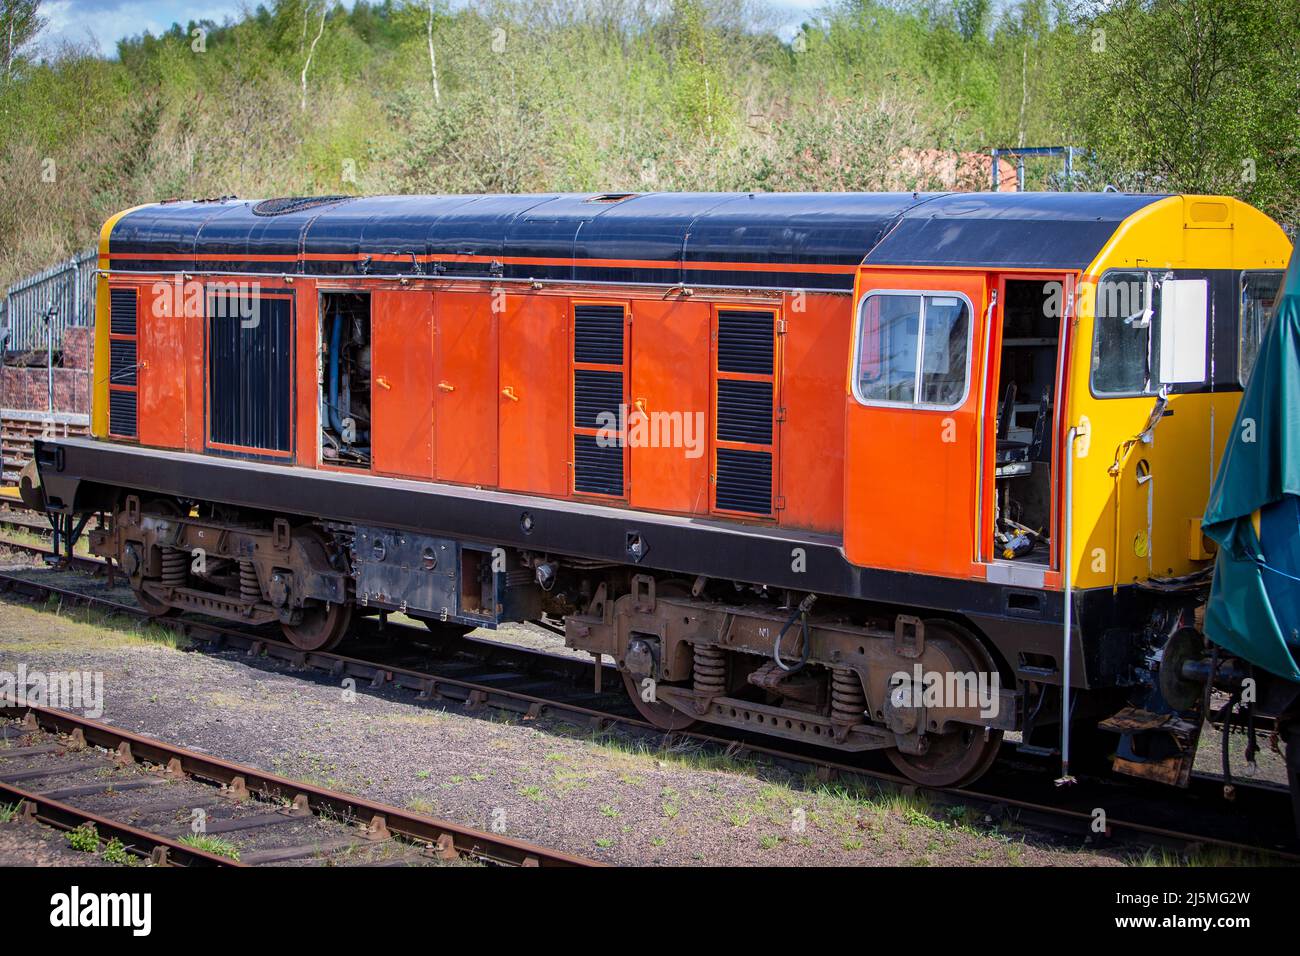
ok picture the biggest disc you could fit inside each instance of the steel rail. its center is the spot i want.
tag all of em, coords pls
(450, 839)
(163, 851)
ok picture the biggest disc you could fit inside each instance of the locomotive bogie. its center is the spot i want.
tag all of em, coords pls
(754, 666)
(247, 572)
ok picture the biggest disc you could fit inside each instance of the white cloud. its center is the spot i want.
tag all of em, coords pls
(102, 23)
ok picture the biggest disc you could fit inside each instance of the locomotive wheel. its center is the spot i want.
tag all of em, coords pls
(962, 756)
(657, 713)
(953, 760)
(322, 625)
(165, 507)
(152, 606)
(321, 628)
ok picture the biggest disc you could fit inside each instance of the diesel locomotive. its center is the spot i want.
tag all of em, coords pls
(896, 472)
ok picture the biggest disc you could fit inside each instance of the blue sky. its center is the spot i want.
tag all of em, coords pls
(107, 21)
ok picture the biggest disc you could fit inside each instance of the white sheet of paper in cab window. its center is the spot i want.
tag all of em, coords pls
(1184, 314)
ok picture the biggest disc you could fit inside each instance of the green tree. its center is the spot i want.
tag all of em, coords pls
(1194, 96)
(20, 22)
(699, 84)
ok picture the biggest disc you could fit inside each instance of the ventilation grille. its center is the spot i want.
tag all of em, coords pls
(287, 204)
(598, 340)
(745, 398)
(249, 376)
(593, 393)
(598, 334)
(744, 481)
(597, 470)
(121, 413)
(121, 362)
(745, 411)
(121, 311)
(745, 342)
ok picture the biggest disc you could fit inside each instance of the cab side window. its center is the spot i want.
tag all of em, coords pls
(1255, 304)
(1121, 341)
(1150, 330)
(913, 349)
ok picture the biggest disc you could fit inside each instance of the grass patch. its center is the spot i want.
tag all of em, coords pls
(84, 839)
(115, 852)
(1210, 856)
(212, 844)
(29, 628)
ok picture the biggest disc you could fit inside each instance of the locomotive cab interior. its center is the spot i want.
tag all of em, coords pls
(1025, 408)
(345, 379)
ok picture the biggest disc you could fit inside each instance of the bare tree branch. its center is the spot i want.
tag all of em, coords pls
(433, 61)
(324, 7)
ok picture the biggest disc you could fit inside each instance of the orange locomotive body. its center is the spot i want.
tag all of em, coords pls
(473, 383)
(789, 460)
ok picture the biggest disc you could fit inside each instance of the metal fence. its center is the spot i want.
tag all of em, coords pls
(37, 309)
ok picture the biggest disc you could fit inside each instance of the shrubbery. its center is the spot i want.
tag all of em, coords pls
(633, 95)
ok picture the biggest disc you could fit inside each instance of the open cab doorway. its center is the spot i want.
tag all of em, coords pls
(1024, 401)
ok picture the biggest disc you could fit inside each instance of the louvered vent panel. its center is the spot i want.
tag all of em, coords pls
(745, 481)
(121, 311)
(745, 395)
(121, 413)
(597, 470)
(598, 334)
(745, 342)
(745, 411)
(598, 339)
(122, 362)
(593, 393)
(249, 376)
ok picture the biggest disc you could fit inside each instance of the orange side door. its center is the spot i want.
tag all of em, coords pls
(670, 383)
(466, 388)
(533, 398)
(913, 431)
(402, 387)
(161, 372)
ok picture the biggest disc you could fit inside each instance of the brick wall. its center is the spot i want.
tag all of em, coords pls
(28, 388)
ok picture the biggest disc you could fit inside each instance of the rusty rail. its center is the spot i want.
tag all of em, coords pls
(450, 840)
(64, 816)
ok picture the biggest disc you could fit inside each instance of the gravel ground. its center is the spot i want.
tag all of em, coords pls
(29, 844)
(541, 780)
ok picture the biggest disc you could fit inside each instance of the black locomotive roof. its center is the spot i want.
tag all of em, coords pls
(811, 240)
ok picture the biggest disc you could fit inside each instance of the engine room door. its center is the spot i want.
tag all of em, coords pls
(534, 332)
(465, 388)
(913, 424)
(402, 390)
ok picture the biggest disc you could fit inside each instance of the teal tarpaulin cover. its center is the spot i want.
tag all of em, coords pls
(1254, 609)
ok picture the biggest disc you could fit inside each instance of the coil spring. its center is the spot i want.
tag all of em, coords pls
(710, 670)
(847, 699)
(175, 567)
(249, 588)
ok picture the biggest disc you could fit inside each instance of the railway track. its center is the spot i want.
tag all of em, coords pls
(143, 796)
(25, 521)
(532, 684)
